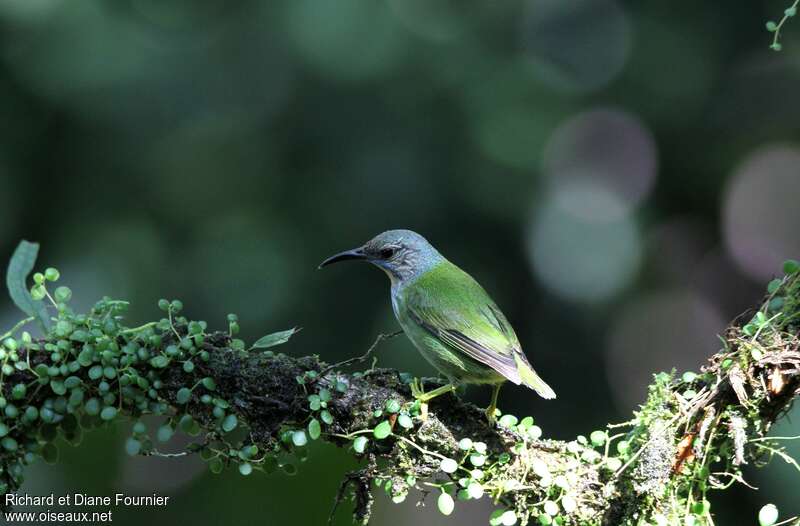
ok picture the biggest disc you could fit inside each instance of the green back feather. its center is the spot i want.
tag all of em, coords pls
(450, 305)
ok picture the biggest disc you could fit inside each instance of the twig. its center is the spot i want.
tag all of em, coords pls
(359, 359)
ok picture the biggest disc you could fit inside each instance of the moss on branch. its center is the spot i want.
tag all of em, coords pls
(253, 409)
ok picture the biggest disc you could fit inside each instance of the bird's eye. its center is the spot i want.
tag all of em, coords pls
(387, 253)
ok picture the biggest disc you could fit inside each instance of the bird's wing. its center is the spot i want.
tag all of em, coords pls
(454, 308)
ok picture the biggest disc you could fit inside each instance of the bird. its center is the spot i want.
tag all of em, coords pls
(448, 317)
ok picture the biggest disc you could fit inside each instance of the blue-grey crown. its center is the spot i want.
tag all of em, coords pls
(411, 254)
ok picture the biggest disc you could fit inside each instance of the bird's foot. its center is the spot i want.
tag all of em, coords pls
(418, 392)
(491, 414)
(491, 411)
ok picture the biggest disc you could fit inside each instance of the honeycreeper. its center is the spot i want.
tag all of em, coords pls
(448, 317)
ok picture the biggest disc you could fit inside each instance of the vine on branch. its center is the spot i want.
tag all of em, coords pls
(776, 27)
(253, 409)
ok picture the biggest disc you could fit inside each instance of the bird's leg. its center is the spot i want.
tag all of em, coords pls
(490, 411)
(417, 389)
(430, 395)
(418, 392)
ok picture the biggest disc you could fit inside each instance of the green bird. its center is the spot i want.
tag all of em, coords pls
(448, 317)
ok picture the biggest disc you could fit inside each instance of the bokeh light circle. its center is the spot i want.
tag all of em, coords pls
(607, 145)
(761, 216)
(434, 20)
(576, 46)
(581, 246)
(331, 37)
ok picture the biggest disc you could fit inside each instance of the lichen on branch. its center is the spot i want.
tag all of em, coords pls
(253, 409)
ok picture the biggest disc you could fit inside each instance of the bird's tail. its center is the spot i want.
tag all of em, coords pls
(531, 379)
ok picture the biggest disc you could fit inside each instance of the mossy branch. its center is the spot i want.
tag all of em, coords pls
(258, 410)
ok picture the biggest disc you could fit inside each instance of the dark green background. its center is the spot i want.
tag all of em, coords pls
(216, 152)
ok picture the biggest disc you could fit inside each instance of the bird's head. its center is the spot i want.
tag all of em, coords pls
(402, 254)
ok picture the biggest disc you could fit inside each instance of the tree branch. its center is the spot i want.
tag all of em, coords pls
(257, 410)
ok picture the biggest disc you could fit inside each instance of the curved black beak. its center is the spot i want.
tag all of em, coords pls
(356, 253)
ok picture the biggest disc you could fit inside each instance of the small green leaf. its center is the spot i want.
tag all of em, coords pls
(774, 285)
(62, 294)
(448, 465)
(299, 438)
(276, 338)
(209, 383)
(216, 466)
(230, 423)
(95, 372)
(133, 446)
(477, 460)
(58, 387)
(791, 266)
(21, 264)
(326, 416)
(159, 362)
(360, 444)
(382, 430)
(164, 433)
(108, 413)
(475, 490)
(314, 429)
(392, 406)
(508, 420)
(446, 504)
(245, 468)
(598, 438)
(405, 421)
(183, 396)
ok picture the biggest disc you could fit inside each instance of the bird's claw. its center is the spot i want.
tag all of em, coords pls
(491, 415)
(417, 390)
